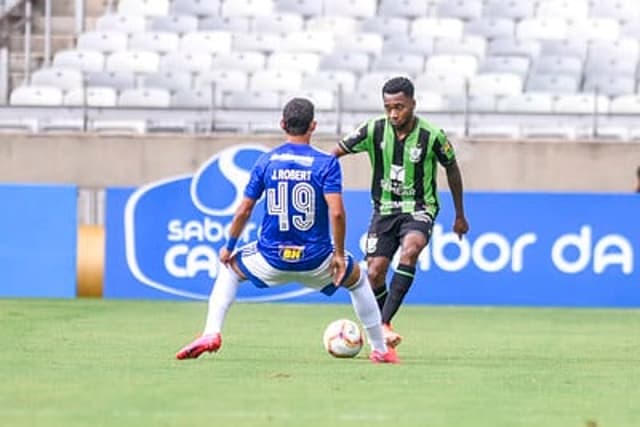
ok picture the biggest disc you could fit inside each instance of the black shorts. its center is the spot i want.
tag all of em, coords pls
(386, 232)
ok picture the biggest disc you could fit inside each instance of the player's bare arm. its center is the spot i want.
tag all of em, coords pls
(242, 215)
(337, 216)
(338, 151)
(454, 179)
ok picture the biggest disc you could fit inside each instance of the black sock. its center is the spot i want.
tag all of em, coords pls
(400, 284)
(381, 295)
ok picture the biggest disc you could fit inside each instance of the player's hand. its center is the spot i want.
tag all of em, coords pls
(339, 268)
(225, 256)
(460, 226)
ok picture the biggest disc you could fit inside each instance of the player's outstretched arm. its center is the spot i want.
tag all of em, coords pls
(454, 179)
(240, 218)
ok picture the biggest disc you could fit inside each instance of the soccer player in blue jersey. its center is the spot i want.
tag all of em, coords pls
(303, 213)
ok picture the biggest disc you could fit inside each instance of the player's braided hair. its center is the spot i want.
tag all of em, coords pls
(398, 85)
(297, 116)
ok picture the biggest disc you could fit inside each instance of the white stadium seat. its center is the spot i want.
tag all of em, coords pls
(118, 80)
(610, 85)
(625, 104)
(322, 99)
(552, 83)
(370, 43)
(462, 9)
(36, 96)
(247, 8)
(354, 8)
(387, 26)
(467, 45)
(196, 7)
(514, 46)
(505, 64)
(356, 62)
(405, 43)
(549, 28)
(174, 23)
(584, 103)
(84, 60)
(186, 61)
(443, 83)
(252, 100)
(303, 7)
(406, 63)
(465, 65)
(145, 97)
(437, 27)
(568, 9)
(124, 23)
(330, 80)
(495, 84)
(104, 41)
(560, 64)
(278, 80)
(333, 24)
(257, 42)
(593, 29)
(362, 101)
(93, 97)
(143, 7)
(192, 98)
(246, 61)
(62, 78)
(513, 9)
(403, 8)
(298, 61)
(491, 28)
(281, 23)
(225, 23)
(171, 80)
(136, 61)
(530, 102)
(154, 41)
(206, 41)
(224, 80)
(374, 81)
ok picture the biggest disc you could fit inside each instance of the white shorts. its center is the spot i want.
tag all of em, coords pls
(263, 275)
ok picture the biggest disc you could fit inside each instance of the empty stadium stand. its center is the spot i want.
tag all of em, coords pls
(478, 63)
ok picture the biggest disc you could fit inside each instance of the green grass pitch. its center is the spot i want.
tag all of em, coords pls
(111, 363)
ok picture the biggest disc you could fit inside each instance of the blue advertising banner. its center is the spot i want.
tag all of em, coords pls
(523, 248)
(38, 238)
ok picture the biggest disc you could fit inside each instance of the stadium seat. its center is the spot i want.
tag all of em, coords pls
(257, 42)
(552, 83)
(491, 28)
(461, 9)
(526, 103)
(83, 60)
(280, 23)
(118, 80)
(118, 126)
(550, 28)
(369, 43)
(513, 9)
(322, 99)
(620, 10)
(206, 41)
(625, 104)
(308, 41)
(353, 8)
(298, 61)
(196, 7)
(467, 45)
(405, 63)
(335, 25)
(471, 103)
(404, 8)
(561, 64)
(499, 84)
(404, 43)
(193, 98)
(387, 26)
(107, 41)
(514, 47)
(623, 48)
(156, 41)
(247, 8)
(437, 27)
(93, 97)
(307, 8)
(224, 80)
(179, 24)
(609, 85)
(136, 61)
(234, 60)
(143, 7)
(253, 100)
(566, 47)
(362, 101)
(123, 23)
(193, 62)
(584, 103)
(62, 78)
(442, 83)
(145, 97)
(620, 66)
(19, 124)
(427, 101)
(505, 64)
(170, 80)
(348, 61)
(225, 23)
(593, 29)
(567, 9)
(465, 65)
(275, 80)
(36, 96)
(330, 80)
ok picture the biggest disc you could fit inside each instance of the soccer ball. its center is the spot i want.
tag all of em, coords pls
(343, 338)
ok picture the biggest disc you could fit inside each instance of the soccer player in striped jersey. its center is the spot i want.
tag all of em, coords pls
(303, 213)
(404, 151)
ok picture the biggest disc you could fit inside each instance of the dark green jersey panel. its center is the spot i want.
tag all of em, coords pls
(404, 171)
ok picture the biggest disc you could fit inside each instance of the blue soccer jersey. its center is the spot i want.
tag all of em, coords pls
(295, 230)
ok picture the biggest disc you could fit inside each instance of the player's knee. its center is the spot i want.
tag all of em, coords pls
(354, 277)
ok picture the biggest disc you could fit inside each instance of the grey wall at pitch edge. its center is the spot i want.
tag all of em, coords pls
(98, 161)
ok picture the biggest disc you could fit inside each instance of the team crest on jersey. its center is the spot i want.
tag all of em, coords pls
(415, 153)
(291, 253)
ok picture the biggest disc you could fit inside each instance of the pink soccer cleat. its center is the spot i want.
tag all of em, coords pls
(392, 338)
(389, 357)
(208, 343)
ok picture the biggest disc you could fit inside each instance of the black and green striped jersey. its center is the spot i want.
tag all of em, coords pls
(404, 172)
